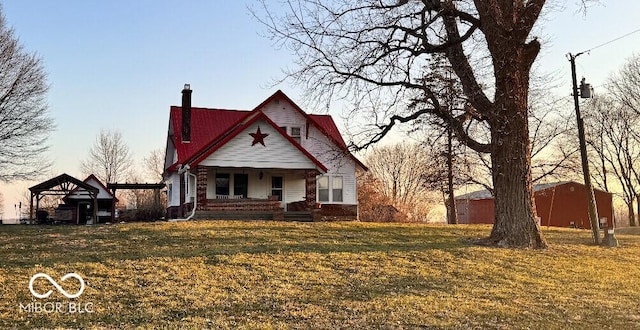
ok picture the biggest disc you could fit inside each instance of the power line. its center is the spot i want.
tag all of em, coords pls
(610, 41)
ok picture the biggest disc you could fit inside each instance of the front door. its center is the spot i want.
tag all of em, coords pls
(277, 187)
(241, 185)
(85, 212)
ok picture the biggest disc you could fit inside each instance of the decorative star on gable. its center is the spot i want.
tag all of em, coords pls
(258, 137)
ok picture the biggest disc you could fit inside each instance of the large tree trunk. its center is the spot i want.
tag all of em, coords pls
(515, 216)
(515, 223)
(506, 26)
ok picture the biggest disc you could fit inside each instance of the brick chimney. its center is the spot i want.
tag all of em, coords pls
(186, 113)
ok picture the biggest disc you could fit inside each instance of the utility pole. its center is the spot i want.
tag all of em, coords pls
(593, 210)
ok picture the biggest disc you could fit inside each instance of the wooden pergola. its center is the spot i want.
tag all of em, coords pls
(135, 186)
(62, 185)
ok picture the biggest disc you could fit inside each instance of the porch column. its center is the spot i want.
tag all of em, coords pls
(310, 183)
(201, 188)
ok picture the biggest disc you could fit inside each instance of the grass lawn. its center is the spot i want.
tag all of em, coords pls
(251, 275)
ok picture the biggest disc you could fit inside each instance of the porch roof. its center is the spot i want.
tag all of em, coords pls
(64, 183)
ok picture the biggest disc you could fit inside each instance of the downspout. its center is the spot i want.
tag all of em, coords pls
(182, 170)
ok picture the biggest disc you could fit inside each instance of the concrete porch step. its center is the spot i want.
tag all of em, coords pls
(302, 216)
(234, 215)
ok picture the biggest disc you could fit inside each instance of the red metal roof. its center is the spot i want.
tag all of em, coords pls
(326, 124)
(212, 128)
(206, 125)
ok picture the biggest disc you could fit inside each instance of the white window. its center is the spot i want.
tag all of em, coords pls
(337, 189)
(330, 189)
(323, 189)
(296, 134)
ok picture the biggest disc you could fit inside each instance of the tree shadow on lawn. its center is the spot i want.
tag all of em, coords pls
(26, 246)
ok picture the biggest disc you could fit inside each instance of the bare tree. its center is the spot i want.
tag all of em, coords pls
(373, 205)
(554, 153)
(613, 123)
(612, 138)
(154, 165)
(109, 158)
(404, 173)
(374, 53)
(447, 169)
(624, 85)
(24, 121)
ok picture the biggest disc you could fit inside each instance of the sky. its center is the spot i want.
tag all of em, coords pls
(121, 64)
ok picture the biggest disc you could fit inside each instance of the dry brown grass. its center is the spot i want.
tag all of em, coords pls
(318, 275)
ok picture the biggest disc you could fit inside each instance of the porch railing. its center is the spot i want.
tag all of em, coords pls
(229, 196)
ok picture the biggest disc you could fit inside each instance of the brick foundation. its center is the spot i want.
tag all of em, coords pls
(173, 212)
(336, 212)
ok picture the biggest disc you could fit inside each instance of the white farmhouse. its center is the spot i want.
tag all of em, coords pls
(272, 162)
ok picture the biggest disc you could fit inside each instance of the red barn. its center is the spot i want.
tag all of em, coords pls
(559, 204)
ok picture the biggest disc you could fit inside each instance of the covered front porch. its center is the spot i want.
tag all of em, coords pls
(253, 193)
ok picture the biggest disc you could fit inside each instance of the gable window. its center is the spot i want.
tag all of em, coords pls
(295, 134)
(284, 128)
(222, 183)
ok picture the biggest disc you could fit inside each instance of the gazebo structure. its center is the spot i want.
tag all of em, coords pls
(62, 185)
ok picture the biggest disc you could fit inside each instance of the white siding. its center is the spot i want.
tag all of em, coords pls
(170, 152)
(174, 197)
(284, 115)
(191, 188)
(350, 192)
(294, 188)
(259, 188)
(328, 153)
(337, 162)
(278, 152)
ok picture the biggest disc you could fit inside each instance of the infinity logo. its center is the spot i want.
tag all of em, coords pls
(58, 287)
